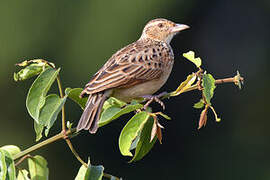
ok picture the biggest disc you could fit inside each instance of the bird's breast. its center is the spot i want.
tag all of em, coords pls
(145, 88)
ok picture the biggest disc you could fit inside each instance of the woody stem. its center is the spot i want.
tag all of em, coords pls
(218, 81)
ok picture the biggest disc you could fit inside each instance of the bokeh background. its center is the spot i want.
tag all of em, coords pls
(81, 35)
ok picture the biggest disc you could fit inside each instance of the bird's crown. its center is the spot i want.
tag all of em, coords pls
(161, 30)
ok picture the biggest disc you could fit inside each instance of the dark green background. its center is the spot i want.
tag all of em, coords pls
(80, 35)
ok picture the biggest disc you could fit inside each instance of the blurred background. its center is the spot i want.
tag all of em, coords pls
(79, 36)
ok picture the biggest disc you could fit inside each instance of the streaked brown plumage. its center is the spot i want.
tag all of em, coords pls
(138, 69)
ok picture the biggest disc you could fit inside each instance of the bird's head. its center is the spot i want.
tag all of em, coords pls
(162, 30)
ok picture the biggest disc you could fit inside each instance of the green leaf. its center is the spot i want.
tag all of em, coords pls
(208, 83)
(115, 112)
(48, 114)
(108, 114)
(38, 129)
(74, 94)
(144, 145)
(164, 115)
(3, 166)
(90, 172)
(37, 93)
(184, 85)
(38, 168)
(7, 167)
(135, 142)
(50, 110)
(28, 72)
(191, 56)
(11, 149)
(113, 178)
(199, 104)
(114, 102)
(23, 175)
(130, 132)
(95, 173)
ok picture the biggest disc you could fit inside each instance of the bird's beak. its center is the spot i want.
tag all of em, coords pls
(179, 27)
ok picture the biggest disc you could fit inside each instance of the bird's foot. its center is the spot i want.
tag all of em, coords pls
(151, 98)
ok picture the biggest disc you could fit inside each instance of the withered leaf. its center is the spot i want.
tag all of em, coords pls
(159, 134)
(154, 130)
(203, 118)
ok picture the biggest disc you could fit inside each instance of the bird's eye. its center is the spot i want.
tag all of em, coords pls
(160, 25)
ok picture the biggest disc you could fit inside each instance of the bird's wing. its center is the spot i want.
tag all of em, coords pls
(131, 65)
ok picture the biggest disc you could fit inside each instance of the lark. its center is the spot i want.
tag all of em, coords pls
(137, 70)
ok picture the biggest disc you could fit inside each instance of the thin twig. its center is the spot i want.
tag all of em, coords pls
(22, 159)
(63, 108)
(75, 153)
(64, 125)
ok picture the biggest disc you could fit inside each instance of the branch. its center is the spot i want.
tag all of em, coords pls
(43, 143)
(236, 80)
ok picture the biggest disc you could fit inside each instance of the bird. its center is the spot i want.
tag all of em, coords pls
(138, 70)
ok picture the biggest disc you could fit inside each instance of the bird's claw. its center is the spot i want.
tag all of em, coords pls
(151, 98)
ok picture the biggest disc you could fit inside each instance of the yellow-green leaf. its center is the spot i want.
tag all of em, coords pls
(199, 104)
(23, 175)
(164, 115)
(11, 149)
(81, 173)
(28, 72)
(191, 56)
(7, 167)
(39, 62)
(184, 85)
(3, 165)
(38, 168)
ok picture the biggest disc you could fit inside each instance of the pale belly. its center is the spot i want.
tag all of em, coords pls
(139, 90)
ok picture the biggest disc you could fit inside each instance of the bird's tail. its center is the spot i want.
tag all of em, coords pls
(90, 117)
